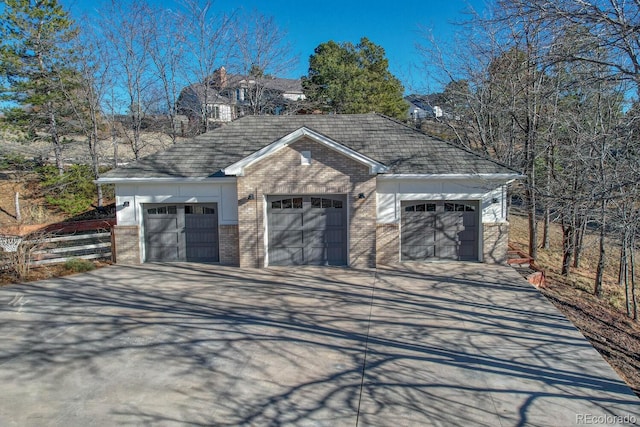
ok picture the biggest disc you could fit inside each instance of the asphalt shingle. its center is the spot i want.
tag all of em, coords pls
(403, 149)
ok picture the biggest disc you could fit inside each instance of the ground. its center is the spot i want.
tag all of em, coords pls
(422, 344)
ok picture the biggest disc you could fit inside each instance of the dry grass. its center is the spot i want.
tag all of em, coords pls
(582, 278)
(601, 320)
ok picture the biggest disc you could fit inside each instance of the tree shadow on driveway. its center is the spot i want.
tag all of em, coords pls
(195, 344)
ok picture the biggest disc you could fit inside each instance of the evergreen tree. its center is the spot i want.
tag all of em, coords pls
(34, 40)
(344, 78)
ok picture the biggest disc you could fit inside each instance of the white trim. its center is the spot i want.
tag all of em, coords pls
(453, 176)
(183, 180)
(238, 167)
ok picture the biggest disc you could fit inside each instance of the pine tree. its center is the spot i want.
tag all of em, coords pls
(34, 48)
(344, 78)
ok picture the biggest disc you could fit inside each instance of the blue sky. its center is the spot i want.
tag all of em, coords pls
(394, 26)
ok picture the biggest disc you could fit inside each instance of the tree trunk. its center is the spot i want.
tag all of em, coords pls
(567, 241)
(57, 144)
(546, 240)
(17, 203)
(632, 277)
(597, 289)
(581, 228)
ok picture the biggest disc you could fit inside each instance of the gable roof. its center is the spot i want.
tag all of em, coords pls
(304, 132)
(402, 149)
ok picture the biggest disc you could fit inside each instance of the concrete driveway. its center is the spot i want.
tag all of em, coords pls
(191, 344)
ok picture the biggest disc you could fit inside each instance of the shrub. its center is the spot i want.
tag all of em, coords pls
(79, 265)
(72, 192)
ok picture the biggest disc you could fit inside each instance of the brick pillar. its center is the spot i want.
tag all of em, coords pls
(495, 242)
(387, 244)
(126, 244)
(229, 245)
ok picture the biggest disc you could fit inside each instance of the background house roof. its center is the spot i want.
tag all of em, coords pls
(403, 149)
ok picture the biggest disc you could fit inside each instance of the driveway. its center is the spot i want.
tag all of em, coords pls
(191, 344)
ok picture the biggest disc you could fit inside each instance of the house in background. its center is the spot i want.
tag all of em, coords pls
(227, 97)
(354, 190)
(423, 107)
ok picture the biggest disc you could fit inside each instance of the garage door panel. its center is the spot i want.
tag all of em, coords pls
(420, 237)
(281, 238)
(449, 220)
(286, 256)
(286, 220)
(157, 225)
(315, 219)
(336, 254)
(157, 239)
(467, 252)
(470, 219)
(202, 237)
(314, 255)
(163, 253)
(448, 252)
(335, 218)
(417, 252)
(467, 236)
(335, 236)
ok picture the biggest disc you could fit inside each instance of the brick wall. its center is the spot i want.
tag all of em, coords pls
(229, 245)
(126, 244)
(496, 241)
(387, 244)
(329, 172)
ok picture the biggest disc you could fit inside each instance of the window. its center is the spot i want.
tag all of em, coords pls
(458, 207)
(198, 210)
(163, 210)
(323, 203)
(293, 203)
(421, 207)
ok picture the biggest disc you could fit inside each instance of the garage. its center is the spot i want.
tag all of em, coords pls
(181, 232)
(307, 230)
(439, 230)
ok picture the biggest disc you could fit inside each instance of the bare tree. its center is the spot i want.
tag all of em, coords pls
(206, 49)
(127, 29)
(166, 51)
(261, 52)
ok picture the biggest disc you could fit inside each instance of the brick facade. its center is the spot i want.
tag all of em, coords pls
(330, 172)
(125, 244)
(496, 241)
(387, 244)
(229, 245)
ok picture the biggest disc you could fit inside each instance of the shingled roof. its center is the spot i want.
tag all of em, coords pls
(404, 150)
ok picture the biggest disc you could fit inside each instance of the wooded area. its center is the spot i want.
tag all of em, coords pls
(551, 88)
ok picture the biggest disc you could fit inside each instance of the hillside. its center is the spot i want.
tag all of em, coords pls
(602, 321)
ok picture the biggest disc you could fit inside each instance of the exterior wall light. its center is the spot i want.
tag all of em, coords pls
(125, 204)
(250, 196)
(361, 196)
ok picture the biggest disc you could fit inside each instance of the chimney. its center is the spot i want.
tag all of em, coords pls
(221, 78)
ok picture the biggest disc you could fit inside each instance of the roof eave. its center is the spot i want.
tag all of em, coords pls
(507, 177)
(168, 180)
